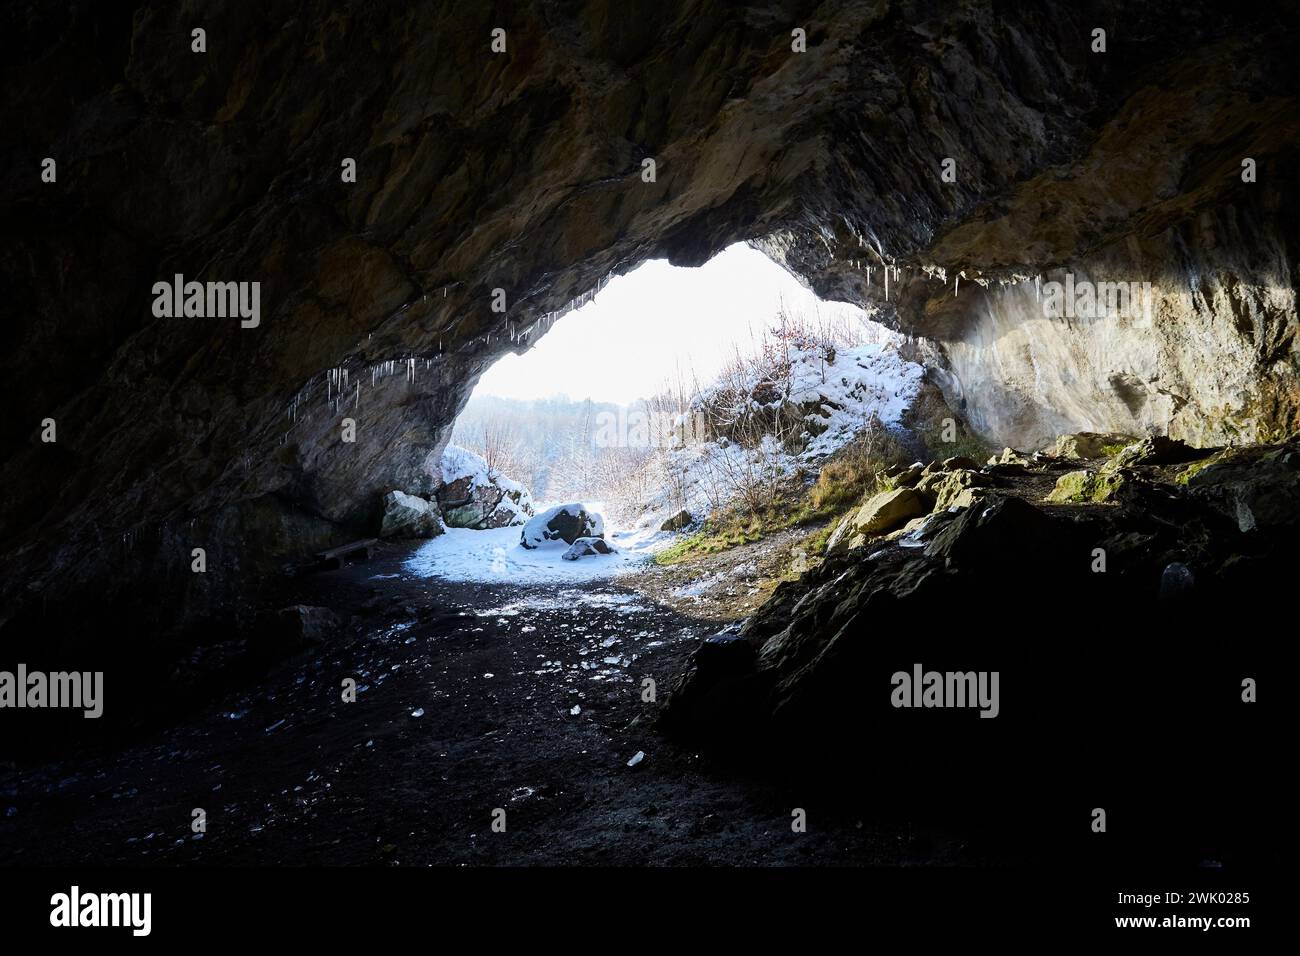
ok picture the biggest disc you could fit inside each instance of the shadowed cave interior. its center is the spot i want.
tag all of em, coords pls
(523, 171)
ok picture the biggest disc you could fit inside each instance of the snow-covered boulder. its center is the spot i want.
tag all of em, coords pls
(472, 495)
(563, 522)
(406, 516)
(584, 547)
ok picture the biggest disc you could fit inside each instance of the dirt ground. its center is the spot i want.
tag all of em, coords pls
(729, 585)
(472, 699)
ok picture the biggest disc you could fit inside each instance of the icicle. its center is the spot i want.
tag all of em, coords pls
(956, 284)
(886, 283)
(357, 402)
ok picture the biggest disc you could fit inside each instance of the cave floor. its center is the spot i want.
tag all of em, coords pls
(288, 773)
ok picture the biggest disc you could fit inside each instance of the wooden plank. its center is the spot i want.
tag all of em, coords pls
(347, 549)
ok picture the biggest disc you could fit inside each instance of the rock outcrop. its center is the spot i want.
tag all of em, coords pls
(881, 513)
(678, 522)
(407, 516)
(473, 495)
(807, 678)
(1087, 446)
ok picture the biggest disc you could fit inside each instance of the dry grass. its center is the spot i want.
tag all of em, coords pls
(853, 472)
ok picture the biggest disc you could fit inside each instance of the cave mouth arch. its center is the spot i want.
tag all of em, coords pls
(412, 203)
(589, 412)
(523, 173)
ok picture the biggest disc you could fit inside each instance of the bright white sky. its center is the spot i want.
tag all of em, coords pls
(645, 326)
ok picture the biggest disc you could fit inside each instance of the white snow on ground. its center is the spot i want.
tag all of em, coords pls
(496, 555)
(568, 599)
(698, 587)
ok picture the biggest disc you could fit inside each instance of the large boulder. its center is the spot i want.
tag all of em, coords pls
(947, 486)
(1010, 456)
(1079, 487)
(1258, 488)
(889, 510)
(683, 519)
(882, 513)
(406, 516)
(1157, 450)
(1087, 446)
(565, 523)
(900, 477)
(473, 495)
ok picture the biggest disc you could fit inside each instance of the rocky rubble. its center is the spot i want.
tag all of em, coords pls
(1176, 541)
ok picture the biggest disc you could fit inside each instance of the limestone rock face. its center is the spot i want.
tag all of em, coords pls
(406, 516)
(522, 171)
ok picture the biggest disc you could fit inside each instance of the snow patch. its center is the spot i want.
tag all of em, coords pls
(496, 555)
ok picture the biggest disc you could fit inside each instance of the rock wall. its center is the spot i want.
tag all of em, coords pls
(522, 171)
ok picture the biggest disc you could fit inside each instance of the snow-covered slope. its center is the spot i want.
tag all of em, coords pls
(841, 396)
(833, 398)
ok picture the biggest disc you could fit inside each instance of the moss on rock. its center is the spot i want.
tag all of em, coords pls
(1077, 487)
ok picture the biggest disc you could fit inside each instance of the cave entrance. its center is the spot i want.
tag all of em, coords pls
(675, 400)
